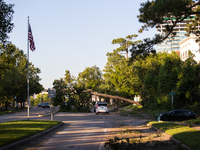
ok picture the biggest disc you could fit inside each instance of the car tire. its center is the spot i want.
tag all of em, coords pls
(96, 113)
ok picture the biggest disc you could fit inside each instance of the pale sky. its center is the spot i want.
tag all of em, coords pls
(73, 34)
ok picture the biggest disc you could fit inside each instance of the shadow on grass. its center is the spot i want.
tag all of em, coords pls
(191, 139)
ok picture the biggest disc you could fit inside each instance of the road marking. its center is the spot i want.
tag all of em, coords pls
(102, 142)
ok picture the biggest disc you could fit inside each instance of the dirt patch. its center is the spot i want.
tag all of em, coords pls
(135, 134)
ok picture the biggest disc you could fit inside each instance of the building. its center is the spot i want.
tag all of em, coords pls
(172, 42)
(190, 44)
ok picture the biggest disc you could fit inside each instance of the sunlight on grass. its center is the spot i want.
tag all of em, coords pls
(185, 134)
(13, 131)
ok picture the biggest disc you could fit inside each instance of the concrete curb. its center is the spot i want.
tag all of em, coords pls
(21, 142)
(172, 138)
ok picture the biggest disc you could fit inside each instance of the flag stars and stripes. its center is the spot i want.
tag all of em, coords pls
(30, 38)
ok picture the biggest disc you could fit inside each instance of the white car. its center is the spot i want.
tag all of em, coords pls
(101, 107)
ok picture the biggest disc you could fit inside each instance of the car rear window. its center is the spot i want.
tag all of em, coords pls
(102, 104)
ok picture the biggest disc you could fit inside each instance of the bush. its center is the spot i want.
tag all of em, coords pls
(195, 107)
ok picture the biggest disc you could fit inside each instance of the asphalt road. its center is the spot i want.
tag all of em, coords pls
(23, 115)
(82, 131)
(86, 131)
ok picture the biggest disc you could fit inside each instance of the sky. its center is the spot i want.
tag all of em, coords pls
(73, 34)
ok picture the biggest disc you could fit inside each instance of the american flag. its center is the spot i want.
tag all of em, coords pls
(30, 38)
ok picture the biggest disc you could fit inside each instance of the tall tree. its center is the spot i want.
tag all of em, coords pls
(158, 12)
(157, 76)
(188, 85)
(6, 16)
(125, 43)
(118, 75)
(91, 77)
(13, 72)
(60, 87)
(168, 12)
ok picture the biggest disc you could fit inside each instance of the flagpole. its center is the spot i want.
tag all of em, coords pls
(28, 73)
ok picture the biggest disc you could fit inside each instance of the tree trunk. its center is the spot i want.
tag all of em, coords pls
(6, 104)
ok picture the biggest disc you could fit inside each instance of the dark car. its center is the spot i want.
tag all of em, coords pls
(39, 105)
(178, 114)
(46, 105)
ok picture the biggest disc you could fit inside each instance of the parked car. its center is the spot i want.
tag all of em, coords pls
(101, 107)
(178, 114)
(46, 105)
(39, 105)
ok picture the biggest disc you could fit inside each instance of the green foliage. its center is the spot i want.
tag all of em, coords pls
(144, 48)
(188, 84)
(6, 16)
(195, 107)
(91, 77)
(192, 121)
(118, 75)
(40, 99)
(60, 87)
(125, 43)
(154, 13)
(13, 72)
(160, 74)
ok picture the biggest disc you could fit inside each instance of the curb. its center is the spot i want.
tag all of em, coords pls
(172, 138)
(21, 142)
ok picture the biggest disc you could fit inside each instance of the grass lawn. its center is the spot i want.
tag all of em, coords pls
(13, 131)
(185, 134)
(193, 121)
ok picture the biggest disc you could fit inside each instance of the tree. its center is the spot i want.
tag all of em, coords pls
(60, 87)
(170, 12)
(157, 76)
(188, 89)
(158, 12)
(13, 72)
(118, 75)
(6, 16)
(144, 49)
(91, 77)
(125, 43)
(69, 81)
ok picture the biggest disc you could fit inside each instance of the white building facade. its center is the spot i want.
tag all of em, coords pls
(190, 44)
(172, 42)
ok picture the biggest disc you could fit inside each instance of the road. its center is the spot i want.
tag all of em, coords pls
(85, 131)
(33, 114)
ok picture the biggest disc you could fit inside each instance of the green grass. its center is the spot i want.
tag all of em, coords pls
(193, 121)
(131, 113)
(13, 131)
(185, 134)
